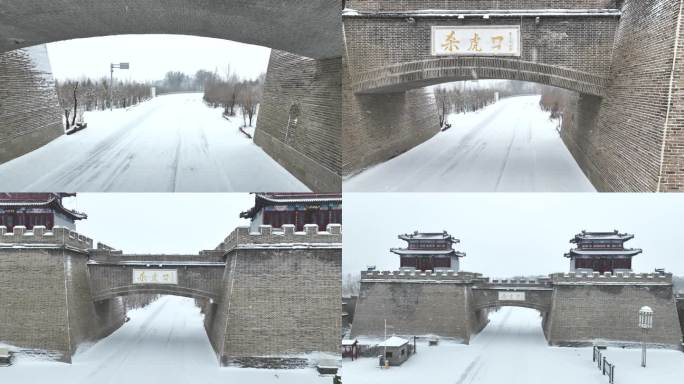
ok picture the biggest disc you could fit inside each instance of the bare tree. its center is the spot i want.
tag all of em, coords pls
(351, 284)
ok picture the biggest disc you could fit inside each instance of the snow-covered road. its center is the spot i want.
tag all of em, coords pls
(164, 343)
(508, 146)
(170, 143)
(512, 349)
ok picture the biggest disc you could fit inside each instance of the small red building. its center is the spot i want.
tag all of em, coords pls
(429, 251)
(33, 209)
(601, 252)
(276, 209)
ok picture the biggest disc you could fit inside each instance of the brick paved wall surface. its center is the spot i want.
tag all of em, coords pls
(299, 122)
(30, 116)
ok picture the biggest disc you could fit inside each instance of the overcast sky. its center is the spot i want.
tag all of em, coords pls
(511, 234)
(166, 222)
(151, 56)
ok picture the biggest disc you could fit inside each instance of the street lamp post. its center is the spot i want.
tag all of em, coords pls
(645, 323)
(113, 66)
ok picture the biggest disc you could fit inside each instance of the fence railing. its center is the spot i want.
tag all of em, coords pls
(603, 365)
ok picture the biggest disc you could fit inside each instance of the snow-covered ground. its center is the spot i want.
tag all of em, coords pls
(512, 349)
(508, 146)
(164, 343)
(170, 143)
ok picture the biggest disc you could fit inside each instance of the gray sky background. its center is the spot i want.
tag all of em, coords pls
(510, 234)
(151, 56)
(164, 222)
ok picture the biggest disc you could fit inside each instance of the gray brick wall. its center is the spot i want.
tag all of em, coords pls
(680, 311)
(572, 52)
(110, 281)
(619, 146)
(282, 301)
(672, 174)
(378, 127)
(305, 91)
(413, 308)
(405, 5)
(40, 323)
(277, 293)
(582, 314)
(30, 116)
(306, 27)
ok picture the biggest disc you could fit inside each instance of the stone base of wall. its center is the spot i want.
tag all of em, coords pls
(300, 118)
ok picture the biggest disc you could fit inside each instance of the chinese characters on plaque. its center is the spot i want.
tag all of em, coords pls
(511, 296)
(476, 40)
(155, 276)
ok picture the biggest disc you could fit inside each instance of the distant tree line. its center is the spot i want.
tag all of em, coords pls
(456, 98)
(234, 95)
(230, 92)
(678, 282)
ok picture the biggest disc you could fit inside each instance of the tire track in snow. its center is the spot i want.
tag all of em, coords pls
(73, 175)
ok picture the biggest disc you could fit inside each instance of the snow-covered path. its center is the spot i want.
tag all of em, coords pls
(170, 143)
(512, 349)
(164, 343)
(509, 146)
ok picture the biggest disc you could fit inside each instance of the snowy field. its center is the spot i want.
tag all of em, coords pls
(509, 146)
(164, 343)
(512, 349)
(170, 143)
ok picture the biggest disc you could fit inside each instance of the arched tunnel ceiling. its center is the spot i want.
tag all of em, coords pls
(309, 28)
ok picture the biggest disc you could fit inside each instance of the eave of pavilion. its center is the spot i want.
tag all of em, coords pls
(427, 252)
(603, 252)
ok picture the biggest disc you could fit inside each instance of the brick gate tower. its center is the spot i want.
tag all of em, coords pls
(598, 302)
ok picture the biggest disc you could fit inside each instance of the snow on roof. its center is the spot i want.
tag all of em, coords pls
(614, 235)
(404, 251)
(394, 341)
(349, 342)
(597, 252)
(428, 236)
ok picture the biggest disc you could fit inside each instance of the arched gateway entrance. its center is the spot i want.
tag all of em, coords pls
(57, 282)
(602, 49)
